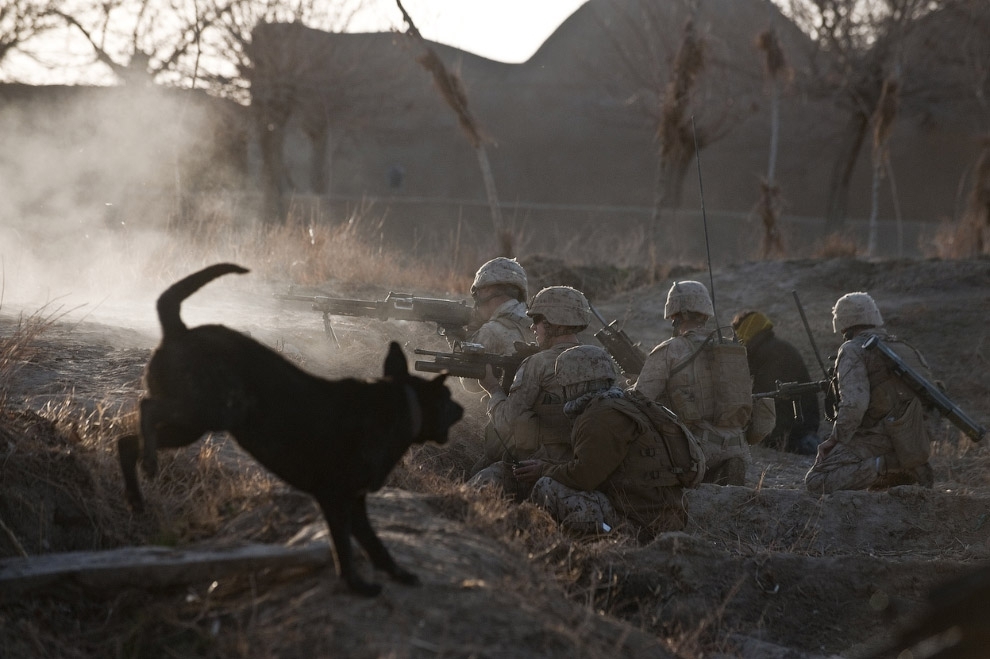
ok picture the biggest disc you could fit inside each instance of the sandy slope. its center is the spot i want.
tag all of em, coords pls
(762, 570)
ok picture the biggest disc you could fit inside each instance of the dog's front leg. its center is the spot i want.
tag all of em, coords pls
(375, 548)
(165, 424)
(128, 451)
(338, 516)
(150, 413)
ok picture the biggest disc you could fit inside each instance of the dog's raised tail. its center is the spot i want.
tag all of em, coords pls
(170, 301)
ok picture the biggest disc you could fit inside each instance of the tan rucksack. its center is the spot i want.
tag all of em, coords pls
(687, 459)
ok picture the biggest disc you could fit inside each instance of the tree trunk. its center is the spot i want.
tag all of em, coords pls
(674, 172)
(774, 131)
(319, 141)
(842, 171)
(272, 141)
(502, 235)
(871, 243)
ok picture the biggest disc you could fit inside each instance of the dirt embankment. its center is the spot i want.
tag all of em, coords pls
(765, 570)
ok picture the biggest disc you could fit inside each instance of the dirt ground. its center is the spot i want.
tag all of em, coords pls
(764, 570)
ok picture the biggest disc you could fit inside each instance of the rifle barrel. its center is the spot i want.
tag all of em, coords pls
(807, 329)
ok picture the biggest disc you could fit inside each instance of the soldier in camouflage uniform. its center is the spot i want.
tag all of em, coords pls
(881, 435)
(499, 291)
(618, 471)
(687, 374)
(529, 420)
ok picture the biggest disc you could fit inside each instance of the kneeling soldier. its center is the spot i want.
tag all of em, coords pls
(621, 467)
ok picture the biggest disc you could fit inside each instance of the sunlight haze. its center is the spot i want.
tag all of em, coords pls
(503, 30)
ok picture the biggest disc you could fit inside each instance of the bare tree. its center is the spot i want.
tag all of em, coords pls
(451, 90)
(669, 69)
(285, 63)
(856, 44)
(777, 73)
(962, 65)
(21, 21)
(149, 41)
(883, 121)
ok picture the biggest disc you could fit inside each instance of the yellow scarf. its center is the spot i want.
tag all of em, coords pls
(752, 325)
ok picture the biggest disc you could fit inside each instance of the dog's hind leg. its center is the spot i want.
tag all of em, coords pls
(339, 520)
(375, 548)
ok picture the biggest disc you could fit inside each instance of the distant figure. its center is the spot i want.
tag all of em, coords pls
(704, 381)
(881, 435)
(771, 360)
(396, 176)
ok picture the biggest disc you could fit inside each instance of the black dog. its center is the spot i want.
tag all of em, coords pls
(335, 440)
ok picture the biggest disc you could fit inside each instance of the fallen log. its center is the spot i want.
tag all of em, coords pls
(152, 567)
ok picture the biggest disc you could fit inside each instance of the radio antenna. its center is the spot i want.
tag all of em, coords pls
(704, 219)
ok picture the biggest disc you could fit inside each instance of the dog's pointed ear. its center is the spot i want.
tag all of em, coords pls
(395, 362)
(439, 380)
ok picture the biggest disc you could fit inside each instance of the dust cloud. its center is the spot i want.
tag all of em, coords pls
(92, 178)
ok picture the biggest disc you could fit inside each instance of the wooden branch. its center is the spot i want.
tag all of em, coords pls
(153, 567)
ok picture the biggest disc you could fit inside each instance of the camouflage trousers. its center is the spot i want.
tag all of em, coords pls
(580, 511)
(500, 475)
(726, 455)
(846, 469)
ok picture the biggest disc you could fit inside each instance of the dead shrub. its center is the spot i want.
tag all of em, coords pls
(836, 245)
(954, 240)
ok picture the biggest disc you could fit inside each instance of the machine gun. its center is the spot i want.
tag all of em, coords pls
(618, 344)
(452, 317)
(469, 360)
(794, 391)
(928, 392)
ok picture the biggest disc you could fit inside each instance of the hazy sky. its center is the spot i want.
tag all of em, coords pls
(504, 30)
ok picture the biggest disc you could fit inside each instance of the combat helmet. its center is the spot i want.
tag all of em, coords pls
(854, 309)
(561, 305)
(501, 270)
(688, 296)
(583, 364)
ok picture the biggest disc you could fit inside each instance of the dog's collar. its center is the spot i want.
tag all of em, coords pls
(415, 413)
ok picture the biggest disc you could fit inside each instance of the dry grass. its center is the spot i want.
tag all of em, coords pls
(836, 245)
(17, 345)
(59, 463)
(955, 240)
(306, 251)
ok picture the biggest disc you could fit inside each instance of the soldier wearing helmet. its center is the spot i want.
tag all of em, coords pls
(680, 374)
(617, 471)
(530, 420)
(500, 290)
(882, 431)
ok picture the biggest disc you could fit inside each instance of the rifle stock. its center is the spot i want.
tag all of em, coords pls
(928, 392)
